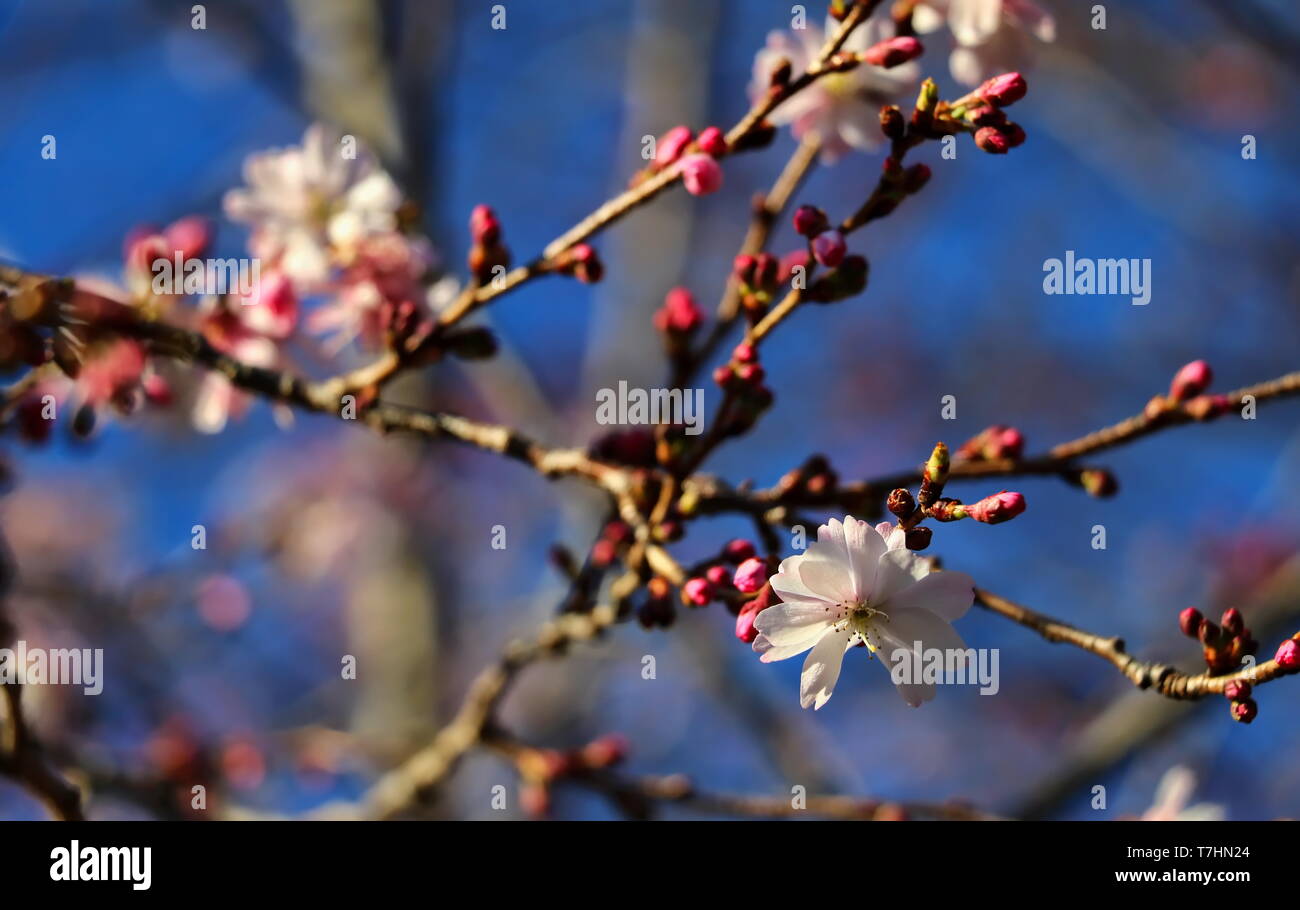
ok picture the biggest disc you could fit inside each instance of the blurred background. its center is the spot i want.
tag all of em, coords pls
(222, 665)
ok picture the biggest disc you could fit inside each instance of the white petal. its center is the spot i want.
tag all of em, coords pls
(787, 584)
(790, 623)
(769, 652)
(826, 573)
(865, 548)
(948, 595)
(901, 633)
(822, 669)
(896, 570)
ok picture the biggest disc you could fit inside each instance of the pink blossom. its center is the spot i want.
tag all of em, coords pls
(842, 108)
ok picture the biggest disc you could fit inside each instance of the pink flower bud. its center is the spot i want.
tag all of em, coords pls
(829, 248)
(1007, 442)
(719, 576)
(997, 508)
(698, 591)
(1004, 90)
(484, 228)
(738, 551)
(1237, 688)
(1191, 380)
(1231, 621)
(712, 142)
(750, 575)
(745, 630)
(670, 145)
(1189, 621)
(701, 175)
(1288, 655)
(1244, 711)
(893, 52)
(791, 261)
(743, 268)
(680, 314)
(992, 140)
(809, 221)
(190, 236)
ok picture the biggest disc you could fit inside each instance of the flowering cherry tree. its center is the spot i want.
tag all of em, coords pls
(343, 271)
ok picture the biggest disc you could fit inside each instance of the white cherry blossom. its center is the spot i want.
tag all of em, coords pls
(859, 585)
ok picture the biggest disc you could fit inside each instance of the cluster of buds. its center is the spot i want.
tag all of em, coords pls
(930, 503)
(758, 281)
(720, 578)
(488, 256)
(738, 577)
(1187, 391)
(983, 110)
(694, 157)
(1224, 645)
(579, 261)
(827, 246)
(995, 443)
(748, 396)
(677, 320)
(540, 769)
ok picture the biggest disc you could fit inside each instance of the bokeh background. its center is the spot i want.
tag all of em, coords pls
(223, 664)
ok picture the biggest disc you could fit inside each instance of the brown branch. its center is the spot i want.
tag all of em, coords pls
(1161, 678)
(398, 790)
(23, 758)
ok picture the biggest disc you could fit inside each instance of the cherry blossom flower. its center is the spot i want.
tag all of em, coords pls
(250, 329)
(386, 273)
(310, 205)
(842, 108)
(1172, 794)
(859, 586)
(991, 35)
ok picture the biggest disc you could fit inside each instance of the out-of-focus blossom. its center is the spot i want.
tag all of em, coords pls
(857, 586)
(991, 35)
(842, 108)
(250, 330)
(310, 206)
(1172, 794)
(385, 275)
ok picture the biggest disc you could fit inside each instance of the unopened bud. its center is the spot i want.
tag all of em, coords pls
(1190, 381)
(900, 503)
(1189, 621)
(1004, 90)
(809, 221)
(1232, 622)
(1288, 655)
(997, 508)
(918, 538)
(892, 123)
(893, 52)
